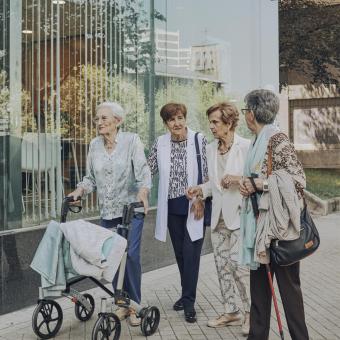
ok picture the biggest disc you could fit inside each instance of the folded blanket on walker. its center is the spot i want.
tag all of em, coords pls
(76, 248)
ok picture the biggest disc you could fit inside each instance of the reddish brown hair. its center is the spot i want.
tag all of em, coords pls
(171, 109)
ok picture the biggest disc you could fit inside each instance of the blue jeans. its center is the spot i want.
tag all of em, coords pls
(133, 271)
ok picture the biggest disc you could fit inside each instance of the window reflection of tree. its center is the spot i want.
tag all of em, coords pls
(8, 247)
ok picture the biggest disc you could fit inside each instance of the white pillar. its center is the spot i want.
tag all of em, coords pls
(264, 56)
(15, 67)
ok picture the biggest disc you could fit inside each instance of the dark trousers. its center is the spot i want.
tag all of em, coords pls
(288, 281)
(133, 271)
(188, 255)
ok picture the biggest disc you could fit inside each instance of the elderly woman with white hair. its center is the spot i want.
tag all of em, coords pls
(117, 170)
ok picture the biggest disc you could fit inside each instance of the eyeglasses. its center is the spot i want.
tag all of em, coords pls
(97, 119)
(244, 111)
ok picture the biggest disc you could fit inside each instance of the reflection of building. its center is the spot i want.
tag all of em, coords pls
(168, 50)
(211, 58)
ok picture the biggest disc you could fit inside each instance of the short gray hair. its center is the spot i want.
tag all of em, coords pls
(264, 103)
(115, 109)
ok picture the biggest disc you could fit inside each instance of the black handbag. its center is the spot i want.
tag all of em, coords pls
(208, 200)
(286, 253)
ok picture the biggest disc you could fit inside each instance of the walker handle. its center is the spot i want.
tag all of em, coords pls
(66, 207)
(129, 210)
(137, 205)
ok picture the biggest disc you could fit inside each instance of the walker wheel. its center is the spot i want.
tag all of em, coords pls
(107, 325)
(47, 319)
(150, 321)
(81, 312)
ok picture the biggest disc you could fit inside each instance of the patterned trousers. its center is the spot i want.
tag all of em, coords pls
(225, 243)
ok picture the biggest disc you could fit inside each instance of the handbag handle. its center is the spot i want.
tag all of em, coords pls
(199, 160)
(270, 158)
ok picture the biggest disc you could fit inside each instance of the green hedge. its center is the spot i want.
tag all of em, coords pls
(324, 183)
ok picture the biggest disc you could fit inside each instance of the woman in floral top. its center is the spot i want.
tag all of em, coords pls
(117, 170)
(261, 109)
(173, 157)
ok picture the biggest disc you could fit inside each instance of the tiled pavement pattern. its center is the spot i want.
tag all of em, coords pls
(321, 288)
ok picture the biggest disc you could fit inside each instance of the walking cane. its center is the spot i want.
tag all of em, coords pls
(255, 207)
(277, 312)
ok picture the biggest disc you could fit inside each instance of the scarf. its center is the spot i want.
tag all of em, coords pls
(253, 166)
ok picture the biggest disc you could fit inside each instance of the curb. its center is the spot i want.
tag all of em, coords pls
(319, 206)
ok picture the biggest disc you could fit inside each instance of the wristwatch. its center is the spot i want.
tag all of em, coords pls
(265, 186)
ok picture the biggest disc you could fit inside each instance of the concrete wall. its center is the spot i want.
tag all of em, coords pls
(320, 159)
(314, 124)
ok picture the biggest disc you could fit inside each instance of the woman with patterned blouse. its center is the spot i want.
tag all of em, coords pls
(173, 156)
(261, 109)
(226, 156)
(117, 170)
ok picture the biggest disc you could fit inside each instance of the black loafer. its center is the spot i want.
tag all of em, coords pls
(190, 316)
(178, 305)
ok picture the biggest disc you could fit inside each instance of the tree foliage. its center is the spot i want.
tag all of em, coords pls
(28, 122)
(4, 95)
(309, 39)
(86, 88)
(135, 33)
(197, 96)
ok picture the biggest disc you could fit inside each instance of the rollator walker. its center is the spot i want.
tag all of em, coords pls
(47, 317)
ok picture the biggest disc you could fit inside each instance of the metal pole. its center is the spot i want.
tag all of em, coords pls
(152, 76)
(58, 127)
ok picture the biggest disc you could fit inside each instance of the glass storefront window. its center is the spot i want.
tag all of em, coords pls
(60, 58)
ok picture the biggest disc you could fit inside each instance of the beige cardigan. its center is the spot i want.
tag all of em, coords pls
(279, 218)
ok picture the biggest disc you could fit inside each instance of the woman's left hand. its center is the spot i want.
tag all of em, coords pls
(197, 208)
(142, 196)
(229, 180)
(249, 187)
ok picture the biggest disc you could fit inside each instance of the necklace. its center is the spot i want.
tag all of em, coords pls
(224, 149)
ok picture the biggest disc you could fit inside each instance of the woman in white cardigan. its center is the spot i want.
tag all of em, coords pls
(226, 156)
(173, 156)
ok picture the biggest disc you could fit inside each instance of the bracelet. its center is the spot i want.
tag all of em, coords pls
(200, 196)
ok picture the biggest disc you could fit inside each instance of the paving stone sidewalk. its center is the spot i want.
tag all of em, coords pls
(320, 275)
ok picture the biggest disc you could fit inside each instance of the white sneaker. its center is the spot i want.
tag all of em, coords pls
(122, 313)
(133, 320)
(246, 324)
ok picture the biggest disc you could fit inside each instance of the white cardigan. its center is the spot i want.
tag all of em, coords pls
(228, 201)
(195, 227)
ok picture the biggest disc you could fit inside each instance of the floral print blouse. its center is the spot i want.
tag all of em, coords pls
(118, 176)
(284, 157)
(178, 181)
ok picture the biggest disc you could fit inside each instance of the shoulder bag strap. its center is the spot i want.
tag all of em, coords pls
(199, 162)
(270, 159)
